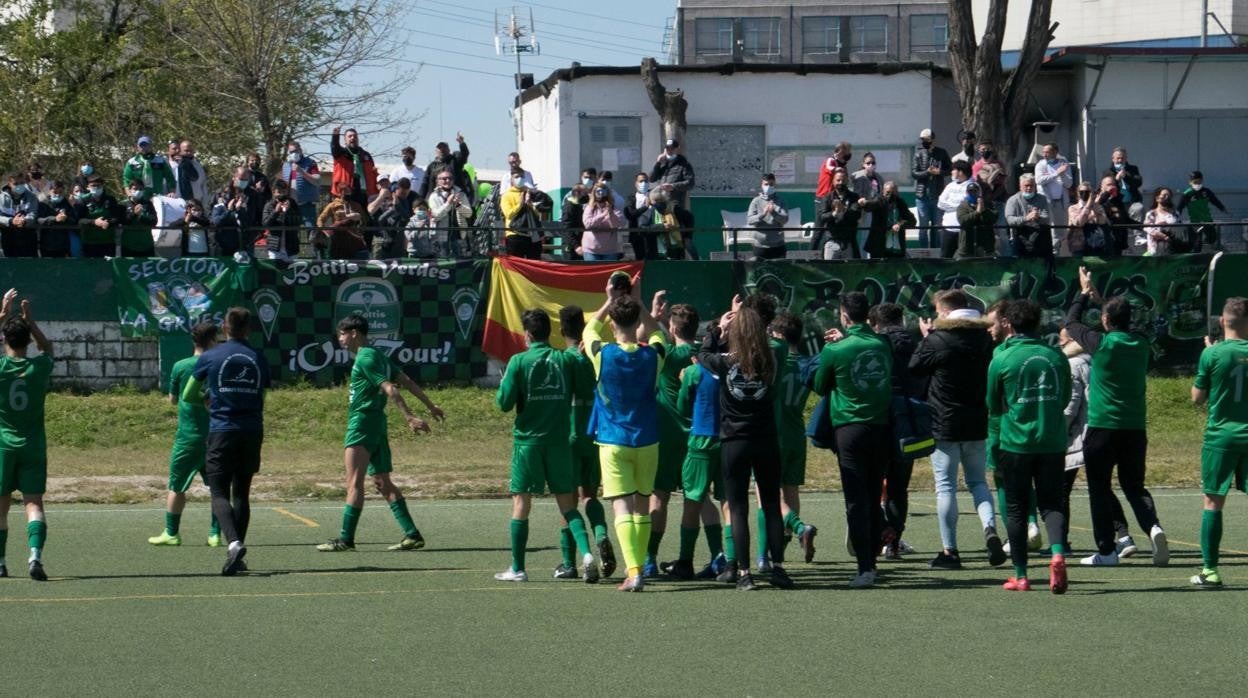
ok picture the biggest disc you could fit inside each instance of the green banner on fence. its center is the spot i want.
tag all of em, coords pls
(428, 316)
(169, 296)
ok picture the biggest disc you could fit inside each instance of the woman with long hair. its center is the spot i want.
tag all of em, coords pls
(737, 352)
(601, 239)
(1159, 222)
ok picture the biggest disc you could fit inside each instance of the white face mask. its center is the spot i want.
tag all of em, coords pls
(767, 189)
(643, 187)
(1198, 187)
(293, 156)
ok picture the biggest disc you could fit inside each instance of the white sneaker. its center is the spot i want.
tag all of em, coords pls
(1125, 547)
(511, 575)
(1161, 550)
(863, 580)
(1006, 547)
(1099, 560)
(1034, 541)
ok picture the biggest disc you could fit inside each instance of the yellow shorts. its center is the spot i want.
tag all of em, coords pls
(627, 470)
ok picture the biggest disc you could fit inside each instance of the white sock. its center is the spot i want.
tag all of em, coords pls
(587, 559)
(35, 554)
(235, 545)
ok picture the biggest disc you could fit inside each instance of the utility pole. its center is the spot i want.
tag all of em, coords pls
(512, 37)
(1204, 23)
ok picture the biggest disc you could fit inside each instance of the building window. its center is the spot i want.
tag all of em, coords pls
(821, 35)
(712, 36)
(761, 36)
(610, 143)
(929, 33)
(868, 34)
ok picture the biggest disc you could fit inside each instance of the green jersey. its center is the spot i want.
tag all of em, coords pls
(856, 374)
(1116, 397)
(23, 387)
(1028, 389)
(1223, 372)
(366, 410)
(791, 394)
(678, 358)
(583, 398)
(539, 384)
(192, 415)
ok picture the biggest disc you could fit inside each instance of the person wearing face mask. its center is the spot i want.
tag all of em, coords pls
(419, 233)
(37, 183)
(1128, 179)
(951, 199)
(56, 221)
(573, 211)
(444, 160)
(639, 213)
(304, 178)
(673, 174)
(1110, 199)
(136, 233)
(768, 215)
(602, 220)
(98, 215)
(281, 217)
(1196, 200)
(191, 177)
(976, 217)
(409, 169)
(449, 211)
(838, 239)
(930, 166)
(513, 161)
(870, 187)
(339, 226)
(259, 181)
(84, 171)
(150, 168)
(967, 140)
(891, 219)
(838, 160)
(1027, 214)
(522, 227)
(1160, 224)
(1089, 227)
(19, 210)
(354, 169)
(1054, 180)
(991, 175)
(195, 231)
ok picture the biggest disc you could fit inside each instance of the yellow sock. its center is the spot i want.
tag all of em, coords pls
(641, 531)
(628, 547)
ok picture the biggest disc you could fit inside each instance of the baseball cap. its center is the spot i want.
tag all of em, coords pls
(925, 133)
(144, 140)
(671, 143)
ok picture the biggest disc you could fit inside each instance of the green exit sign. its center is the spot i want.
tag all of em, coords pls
(833, 118)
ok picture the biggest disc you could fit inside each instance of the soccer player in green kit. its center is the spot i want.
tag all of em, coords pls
(1222, 382)
(23, 442)
(584, 451)
(681, 323)
(190, 447)
(374, 378)
(539, 384)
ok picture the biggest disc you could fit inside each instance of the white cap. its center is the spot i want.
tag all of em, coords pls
(925, 133)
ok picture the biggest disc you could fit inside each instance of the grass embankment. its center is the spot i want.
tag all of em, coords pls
(114, 446)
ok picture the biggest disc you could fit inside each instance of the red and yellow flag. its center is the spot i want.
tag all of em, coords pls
(518, 284)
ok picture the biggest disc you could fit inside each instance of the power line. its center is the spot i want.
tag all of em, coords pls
(575, 27)
(451, 67)
(567, 38)
(587, 14)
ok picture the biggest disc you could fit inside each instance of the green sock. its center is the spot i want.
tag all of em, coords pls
(715, 539)
(793, 523)
(36, 535)
(1020, 571)
(399, 508)
(350, 520)
(576, 524)
(1057, 549)
(688, 540)
(761, 518)
(567, 547)
(597, 518)
(652, 546)
(214, 528)
(519, 539)
(642, 532)
(1034, 514)
(172, 522)
(1210, 537)
(730, 550)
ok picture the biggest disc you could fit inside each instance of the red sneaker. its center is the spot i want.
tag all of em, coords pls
(1057, 575)
(1017, 584)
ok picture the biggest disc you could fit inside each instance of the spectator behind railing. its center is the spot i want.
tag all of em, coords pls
(976, 217)
(768, 215)
(98, 215)
(887, 238)
(281, 216)
(418, 235)
(449, 210)
(56, 222)
(195, 231)
(841, 211)
(1027, 212)
(19, 211)
(643, 234)
(1089, 232)
(136, 232)
(601, 240)
(573, 213)
(676, 222)
(950, 202)
(340, 225)
(1197, 199)
(1159, 238)
(521, 224)
(1117, 212)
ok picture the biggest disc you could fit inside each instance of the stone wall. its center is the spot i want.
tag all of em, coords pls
(94, 356)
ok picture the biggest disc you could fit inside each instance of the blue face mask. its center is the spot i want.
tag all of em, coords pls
(1029, 195)
(1117, 166)
(20, 189)
(55, 198)
(86, 170)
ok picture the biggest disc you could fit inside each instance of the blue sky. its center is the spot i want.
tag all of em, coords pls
(465, 86)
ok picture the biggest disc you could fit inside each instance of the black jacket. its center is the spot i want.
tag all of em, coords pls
(842, 228)
(903, 342)
(455, 164)
(955, 355)
(746, 406)
(1132, 182)
(53, 236)
(287, 223)
(676, 172)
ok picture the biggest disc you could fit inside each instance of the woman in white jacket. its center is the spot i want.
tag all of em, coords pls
(1076, 419)
(448, 212)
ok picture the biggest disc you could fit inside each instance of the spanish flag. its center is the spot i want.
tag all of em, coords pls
(518, 284)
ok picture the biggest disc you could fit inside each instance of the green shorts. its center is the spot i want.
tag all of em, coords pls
(186, 460)
(534, 467)
(793, 464)
(24, 469)
(702, 472)
(377, 443)
(628, 469)
(673, 443)
(585, 465)
(1218, 469)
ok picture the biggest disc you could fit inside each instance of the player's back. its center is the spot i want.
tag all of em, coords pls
(1223, 371)
(23, 390)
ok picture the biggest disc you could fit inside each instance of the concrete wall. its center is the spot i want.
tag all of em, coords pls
(94, 356)
(1084, 23)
